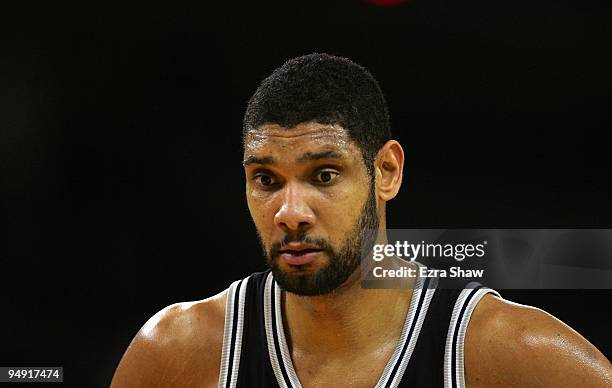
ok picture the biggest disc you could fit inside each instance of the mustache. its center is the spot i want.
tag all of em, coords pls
(301, 238)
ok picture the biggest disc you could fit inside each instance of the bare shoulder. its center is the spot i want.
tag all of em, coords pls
(508, 344)
(178, 346)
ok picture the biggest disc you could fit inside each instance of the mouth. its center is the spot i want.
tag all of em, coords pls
(299, 254)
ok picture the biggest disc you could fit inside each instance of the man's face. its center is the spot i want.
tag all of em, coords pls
(311, 198)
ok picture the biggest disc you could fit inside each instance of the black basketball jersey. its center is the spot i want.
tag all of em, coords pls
(429, 352)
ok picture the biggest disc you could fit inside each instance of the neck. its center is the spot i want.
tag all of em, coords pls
(350, 320)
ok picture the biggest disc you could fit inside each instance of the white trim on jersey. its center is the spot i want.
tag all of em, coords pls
(419, 305)
(392, 375)
(286, 378)
(454, 368)
(232, 334)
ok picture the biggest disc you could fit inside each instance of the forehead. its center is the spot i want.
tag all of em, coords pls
(302, 137)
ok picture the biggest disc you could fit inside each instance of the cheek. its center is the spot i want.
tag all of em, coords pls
(342, 211)
(261, 213)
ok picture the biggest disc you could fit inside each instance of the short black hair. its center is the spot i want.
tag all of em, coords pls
(326, 89)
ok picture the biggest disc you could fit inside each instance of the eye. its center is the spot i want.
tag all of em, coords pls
(265, 180)
(325, 176)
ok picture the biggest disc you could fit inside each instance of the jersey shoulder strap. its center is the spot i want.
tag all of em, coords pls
(244, 357)
(232, 333)
(466, 302)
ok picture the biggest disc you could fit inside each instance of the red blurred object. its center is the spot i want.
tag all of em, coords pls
(386, 3)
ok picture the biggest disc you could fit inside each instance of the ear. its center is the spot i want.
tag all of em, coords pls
(389, 167)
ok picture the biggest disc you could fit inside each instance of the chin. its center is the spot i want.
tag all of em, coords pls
(309, 283)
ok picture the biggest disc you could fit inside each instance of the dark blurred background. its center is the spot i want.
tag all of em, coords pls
(121, 182)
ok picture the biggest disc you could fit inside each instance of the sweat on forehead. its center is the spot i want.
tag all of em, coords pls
(300, 135)
(305, 143)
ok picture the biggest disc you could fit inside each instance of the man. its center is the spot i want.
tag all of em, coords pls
(320, 167)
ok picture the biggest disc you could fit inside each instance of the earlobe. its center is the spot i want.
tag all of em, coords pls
(389, 170)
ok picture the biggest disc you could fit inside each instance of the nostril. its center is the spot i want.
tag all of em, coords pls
(304, 225)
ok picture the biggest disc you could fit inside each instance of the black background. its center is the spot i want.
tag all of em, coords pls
(122, 188)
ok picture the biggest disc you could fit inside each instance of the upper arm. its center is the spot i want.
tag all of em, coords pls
(508, 344)
(140, 363)
(178, 346)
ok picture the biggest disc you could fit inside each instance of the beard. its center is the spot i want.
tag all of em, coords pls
(343, 261)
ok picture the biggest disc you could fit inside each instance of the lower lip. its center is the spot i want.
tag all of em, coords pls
(299, 259)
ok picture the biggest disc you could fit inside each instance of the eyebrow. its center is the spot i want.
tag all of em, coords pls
(258, 160)
(310, 156)
(306, 157)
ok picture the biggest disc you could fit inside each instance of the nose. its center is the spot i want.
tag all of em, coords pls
(294, 213)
